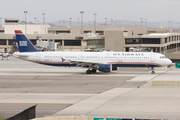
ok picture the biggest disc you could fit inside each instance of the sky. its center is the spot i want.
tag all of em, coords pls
(152, 10)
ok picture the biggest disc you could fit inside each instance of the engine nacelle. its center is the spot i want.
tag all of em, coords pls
(105, 67)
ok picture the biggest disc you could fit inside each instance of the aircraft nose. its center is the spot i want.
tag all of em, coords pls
(169, 62)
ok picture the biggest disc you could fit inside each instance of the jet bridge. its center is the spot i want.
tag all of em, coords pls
(49, 45)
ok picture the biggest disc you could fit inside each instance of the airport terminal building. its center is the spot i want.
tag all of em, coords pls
(90, 38)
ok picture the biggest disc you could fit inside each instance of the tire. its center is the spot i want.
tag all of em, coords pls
(93, 70)
(88, 72)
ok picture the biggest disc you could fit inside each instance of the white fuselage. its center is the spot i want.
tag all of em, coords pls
(118, 59)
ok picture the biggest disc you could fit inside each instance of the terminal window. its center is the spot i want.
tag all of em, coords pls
(59, 41)
(95, 42)
(62, 31)
(87, 31)
(1, 31)
(165, 40)
(72, 42)
(12, 42)
(150, 40)
(2, 42)
(100, 32)
(133, 41)
(58, 31)
(151, 31)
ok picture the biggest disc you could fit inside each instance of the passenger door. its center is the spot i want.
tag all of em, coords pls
(38, 55)
(80, 57)
(152, 57)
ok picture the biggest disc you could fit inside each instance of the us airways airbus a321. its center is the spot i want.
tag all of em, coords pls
(102, 61)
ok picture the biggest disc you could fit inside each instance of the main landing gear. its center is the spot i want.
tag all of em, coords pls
(153, 72)
(90, 71)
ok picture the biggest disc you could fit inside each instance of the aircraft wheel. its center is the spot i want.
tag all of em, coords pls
(153, 72)
(93, 70)
(88, 72)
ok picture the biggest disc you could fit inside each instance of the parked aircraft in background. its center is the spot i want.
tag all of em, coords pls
(102, 61)
(5, 55)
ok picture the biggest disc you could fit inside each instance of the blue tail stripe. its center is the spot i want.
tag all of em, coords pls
(24, 44)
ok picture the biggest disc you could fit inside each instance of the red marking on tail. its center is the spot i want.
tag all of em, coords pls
(18, 32)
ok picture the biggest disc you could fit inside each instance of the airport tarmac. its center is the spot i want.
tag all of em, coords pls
(64, 91)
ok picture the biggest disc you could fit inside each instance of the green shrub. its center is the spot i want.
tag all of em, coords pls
(1, 117)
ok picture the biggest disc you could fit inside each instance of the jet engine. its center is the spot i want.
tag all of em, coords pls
(105, 67)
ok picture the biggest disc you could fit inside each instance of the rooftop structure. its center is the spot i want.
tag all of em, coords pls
(11, 20)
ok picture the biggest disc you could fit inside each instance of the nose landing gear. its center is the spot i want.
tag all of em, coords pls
(153, 72)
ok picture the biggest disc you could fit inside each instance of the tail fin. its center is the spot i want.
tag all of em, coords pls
(24, 43)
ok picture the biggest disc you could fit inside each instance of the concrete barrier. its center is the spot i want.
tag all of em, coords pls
(90, 118)
(25, 115)
(163, 84)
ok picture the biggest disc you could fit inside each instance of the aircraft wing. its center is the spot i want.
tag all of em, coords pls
(82, 62)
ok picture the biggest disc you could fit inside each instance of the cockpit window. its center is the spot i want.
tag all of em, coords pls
(162, 57)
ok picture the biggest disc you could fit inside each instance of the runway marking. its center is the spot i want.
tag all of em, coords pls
(35, 103)
(52, 93)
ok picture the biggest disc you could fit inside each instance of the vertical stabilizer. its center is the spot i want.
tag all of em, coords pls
(24, 43)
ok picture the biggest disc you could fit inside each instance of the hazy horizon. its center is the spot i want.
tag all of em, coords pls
(152, 10)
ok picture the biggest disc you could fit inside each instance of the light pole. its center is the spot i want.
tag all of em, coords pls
(119, 23)
(44, 20)
(35, 20)
(43, 17)
(141, 21)
(25, 20)
(105, 21)
(78, 21)
(0, 20)
(111, 22)
(115, 23)
(146, 22)
(95, 22)
(59, 24)
(156, 24)
(177, 24)
(70, 21)
(81, 21)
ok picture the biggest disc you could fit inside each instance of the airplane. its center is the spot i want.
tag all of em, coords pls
(5, 55)
(102, 61)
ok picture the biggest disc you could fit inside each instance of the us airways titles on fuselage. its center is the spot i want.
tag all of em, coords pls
(128, 54)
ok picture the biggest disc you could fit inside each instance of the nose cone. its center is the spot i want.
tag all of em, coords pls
(169, 62)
